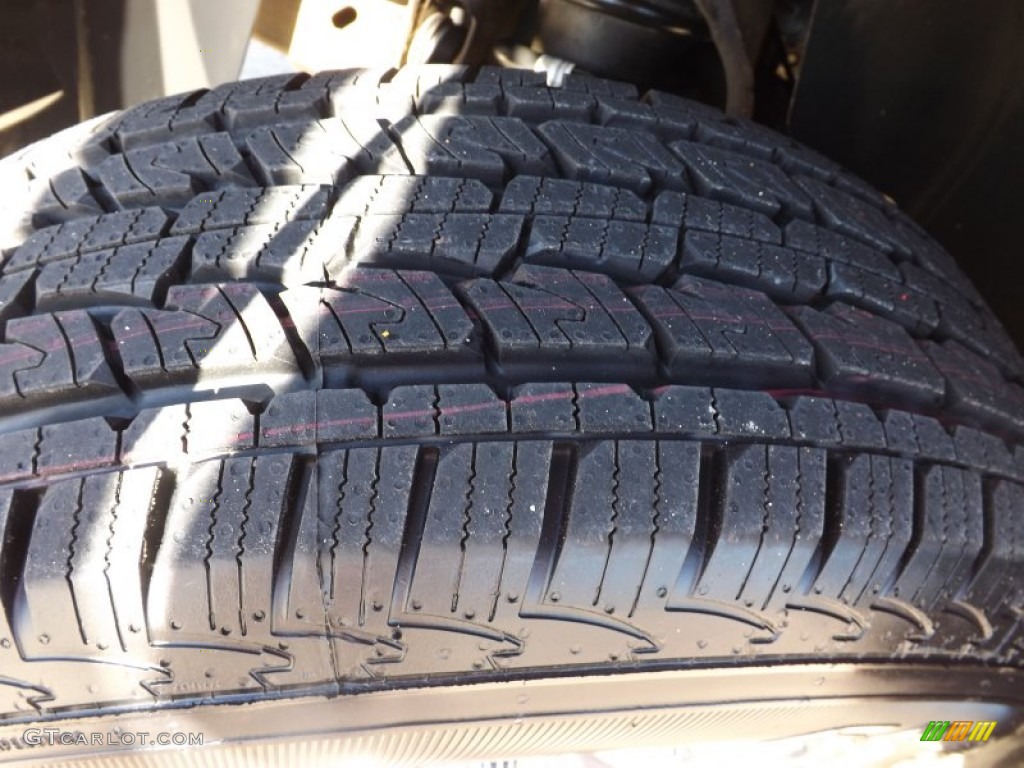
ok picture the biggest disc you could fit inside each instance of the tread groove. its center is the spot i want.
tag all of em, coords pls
(708, 521)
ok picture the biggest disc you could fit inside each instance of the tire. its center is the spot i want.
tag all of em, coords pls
(392, 381)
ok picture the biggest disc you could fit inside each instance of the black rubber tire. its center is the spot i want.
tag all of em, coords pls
(320, 384)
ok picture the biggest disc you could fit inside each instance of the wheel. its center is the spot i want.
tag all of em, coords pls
(387, 383)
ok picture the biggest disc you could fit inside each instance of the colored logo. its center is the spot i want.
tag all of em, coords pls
(958, 730)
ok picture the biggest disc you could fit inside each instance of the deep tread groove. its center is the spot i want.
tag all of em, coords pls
(708, 525)
(415, 520)
(21, 519)
(557, 506)
(832, 529)
(155, 528)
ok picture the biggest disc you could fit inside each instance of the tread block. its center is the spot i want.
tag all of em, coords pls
(459, 99)
(620, 249)
(344, 512)
(156, 435)
(975, 389)
(381, 315)
(749, 414)
(487, 525)
(357, 90)
(546, 313)
(412, 411)
(666, 122)
(599, 86)
(131, 274)
(485, 148)
(460, 243)
(267, 498)
(892, 499)
(689, 212)
(216, 329)
(860, 353)
(949, 496)
(541, 103)
(874, 523)
(960, 320)
(245, 320)
(229, 208)
(663, 100)
(398, 195)
(743, 507)
(543, 408)
(467, 409)
(612, 156)
(705, 411)
(933, 438)
(675, 490)
(687, 410)
(611, 408)
(223, 536)
(76, 446)
(913, 310)
(815, 419)
(537, 196)
(859, 426)
(46, 356)
(576, 579)
(711, 332)
(836, 248)
(740, 180)
(749, 138)
(930, 256)
(344, 528)
(301, 418)
(836, 422)
(165, 120)
(437, 587)
(16, 294)
(63, 197)
(740, 136)
(318, 152)
(295, 252)
(917, 435)
(782, 273)
(989, 589)
(289, 419)
(171, 174)
(779, 510)
(803, 492)
(249, 103)
(86, 235)
(636, 522)
(234, 105)
(490, 74)
(64, 596)
(345, 414)
(78, 595)
(218, 427)
(976, 448)
(759, 510)
(852, 216)
(18, 454)
(211, 576)
(954, 565)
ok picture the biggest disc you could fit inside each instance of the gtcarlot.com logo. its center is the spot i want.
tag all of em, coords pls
(53, 737)
(958, 730)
